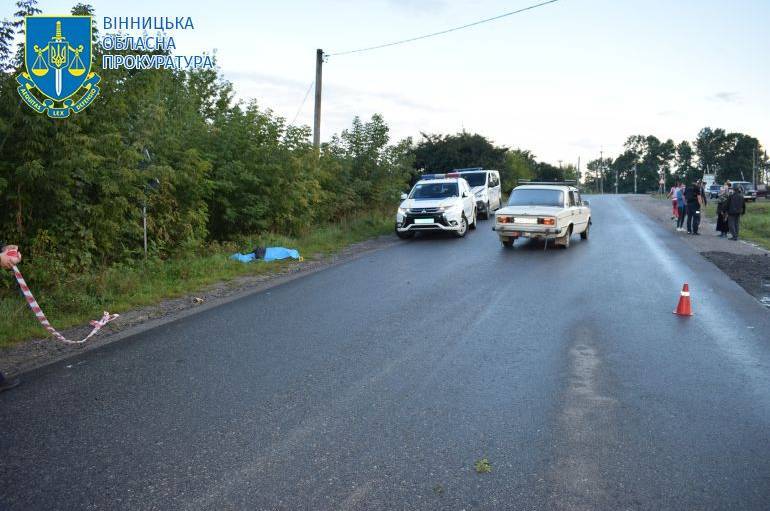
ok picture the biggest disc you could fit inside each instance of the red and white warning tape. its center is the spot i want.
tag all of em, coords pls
(97, 324)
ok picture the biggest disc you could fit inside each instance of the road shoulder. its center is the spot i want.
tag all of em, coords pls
(745, 263)
(36, 353)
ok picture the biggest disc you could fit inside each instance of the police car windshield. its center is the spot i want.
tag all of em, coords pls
(475, 178)
(434, 191)
(536, 197)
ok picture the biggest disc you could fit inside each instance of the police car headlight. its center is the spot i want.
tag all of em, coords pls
(402, 211)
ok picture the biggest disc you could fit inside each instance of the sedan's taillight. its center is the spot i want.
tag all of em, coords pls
(546, 221)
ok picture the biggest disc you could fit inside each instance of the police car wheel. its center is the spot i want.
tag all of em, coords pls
(463, 227)
(485, 214)
(405, 235)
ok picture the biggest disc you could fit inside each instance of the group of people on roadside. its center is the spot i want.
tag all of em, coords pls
(731, 206)
(687, 202)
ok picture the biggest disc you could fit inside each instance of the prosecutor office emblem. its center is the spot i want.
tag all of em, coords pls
(58, 77)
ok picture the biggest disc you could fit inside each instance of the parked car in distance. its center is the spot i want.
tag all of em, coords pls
(485, 185)
(713, 191)
(762, 190)
(749, 190)
(550, 211)
(437, 203)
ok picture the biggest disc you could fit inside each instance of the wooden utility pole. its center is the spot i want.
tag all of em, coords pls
(601, 172)
(319, 61)
(578, 171)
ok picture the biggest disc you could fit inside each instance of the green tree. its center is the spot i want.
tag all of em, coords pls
(519, 164)
(686, 171)
(741, 154)
(654, 160)
(443, 153)
(710, 148)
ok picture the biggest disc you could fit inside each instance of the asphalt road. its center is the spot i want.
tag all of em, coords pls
(377, 384)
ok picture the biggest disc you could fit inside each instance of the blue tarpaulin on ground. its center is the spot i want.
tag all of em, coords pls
(244, 258)
(271, 254)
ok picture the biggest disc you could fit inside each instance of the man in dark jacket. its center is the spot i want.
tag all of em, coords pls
(736, 207)
(694, 199)
(9, 256)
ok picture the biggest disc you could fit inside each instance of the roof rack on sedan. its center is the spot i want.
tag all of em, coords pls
(568, 182)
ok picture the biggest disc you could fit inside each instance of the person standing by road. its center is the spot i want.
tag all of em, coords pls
(694, 199)
(9, 256)
(680, 207)
(722, 202)
(703, 193)
(674, 205)
(735, 209)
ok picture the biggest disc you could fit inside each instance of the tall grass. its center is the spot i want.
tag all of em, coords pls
(79, 298)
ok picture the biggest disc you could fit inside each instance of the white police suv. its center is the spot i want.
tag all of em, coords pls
(438, 202)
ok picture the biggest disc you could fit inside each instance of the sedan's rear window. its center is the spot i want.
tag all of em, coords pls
(536, 197)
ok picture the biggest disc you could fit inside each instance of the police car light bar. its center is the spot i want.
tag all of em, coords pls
(425, 177)
(470, 169)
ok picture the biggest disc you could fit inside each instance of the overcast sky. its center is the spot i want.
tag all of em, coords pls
(565, 80)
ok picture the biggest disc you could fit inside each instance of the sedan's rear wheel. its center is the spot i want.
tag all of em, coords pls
(584, 234)
(507, 243)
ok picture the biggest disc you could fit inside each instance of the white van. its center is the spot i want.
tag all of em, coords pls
(485, 185)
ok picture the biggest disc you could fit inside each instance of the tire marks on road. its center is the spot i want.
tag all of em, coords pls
(576, 481)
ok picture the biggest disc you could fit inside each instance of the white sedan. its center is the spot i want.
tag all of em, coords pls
(550, 211)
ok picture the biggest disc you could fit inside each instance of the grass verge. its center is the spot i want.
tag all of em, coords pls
(83, 297)
(755, 224)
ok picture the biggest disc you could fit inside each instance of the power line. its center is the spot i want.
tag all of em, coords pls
(303, 102)
(443, 31)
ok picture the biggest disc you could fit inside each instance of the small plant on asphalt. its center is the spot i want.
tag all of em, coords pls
(483, 466)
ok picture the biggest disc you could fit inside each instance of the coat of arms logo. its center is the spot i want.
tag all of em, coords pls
(58, 65)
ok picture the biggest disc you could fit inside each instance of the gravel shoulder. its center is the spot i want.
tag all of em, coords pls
(744, 262)
(35, 353)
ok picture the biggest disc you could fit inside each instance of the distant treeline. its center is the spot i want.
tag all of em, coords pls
(734, 156)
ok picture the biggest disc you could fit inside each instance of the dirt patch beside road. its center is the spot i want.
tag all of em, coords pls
(751, 272)
(744, 262)
(28, 355)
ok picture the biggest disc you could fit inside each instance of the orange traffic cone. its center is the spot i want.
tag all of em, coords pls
(684, 309)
